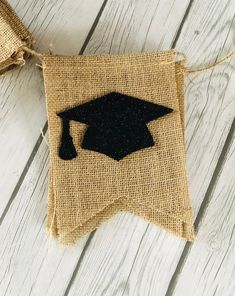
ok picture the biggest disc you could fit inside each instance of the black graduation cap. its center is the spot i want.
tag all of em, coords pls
(116, 125)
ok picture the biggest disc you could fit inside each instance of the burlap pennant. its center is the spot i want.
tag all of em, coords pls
(13, 36)
(100, 179)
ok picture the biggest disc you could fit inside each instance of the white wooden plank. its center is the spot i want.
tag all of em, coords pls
(210, 101)
(31, 263)
(122, 259)
(210, 267)
(210, 110)
(136, 26)
(65, 24)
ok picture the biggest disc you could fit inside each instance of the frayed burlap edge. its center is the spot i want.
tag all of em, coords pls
(156, 217)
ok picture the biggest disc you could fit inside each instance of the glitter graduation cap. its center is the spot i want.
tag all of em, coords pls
(116, 125)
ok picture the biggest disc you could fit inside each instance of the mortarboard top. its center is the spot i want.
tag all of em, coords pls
(116, 125)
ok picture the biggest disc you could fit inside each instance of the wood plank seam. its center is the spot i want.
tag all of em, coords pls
(203, 208)
(79, 263)
(93, 27)
(23, 174)
(182, 24)
(124, 290)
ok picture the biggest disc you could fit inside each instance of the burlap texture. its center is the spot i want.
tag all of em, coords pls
(152, 182)
(13, 35)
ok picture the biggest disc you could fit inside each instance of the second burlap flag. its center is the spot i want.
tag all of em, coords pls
(13, 37)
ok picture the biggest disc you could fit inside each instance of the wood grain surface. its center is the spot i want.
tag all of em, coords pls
(126, 255)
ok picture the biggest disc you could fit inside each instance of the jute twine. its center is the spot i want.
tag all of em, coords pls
(188, 70)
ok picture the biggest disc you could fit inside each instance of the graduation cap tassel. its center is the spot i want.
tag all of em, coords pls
(67, 150)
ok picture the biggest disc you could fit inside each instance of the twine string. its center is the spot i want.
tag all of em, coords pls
(188, 70)
(33, 52)
(44, 137)
(209, 66)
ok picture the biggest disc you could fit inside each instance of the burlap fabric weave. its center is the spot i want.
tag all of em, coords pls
(152, 182)
(13, 35)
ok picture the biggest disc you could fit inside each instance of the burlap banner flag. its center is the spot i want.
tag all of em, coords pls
(116, 137)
